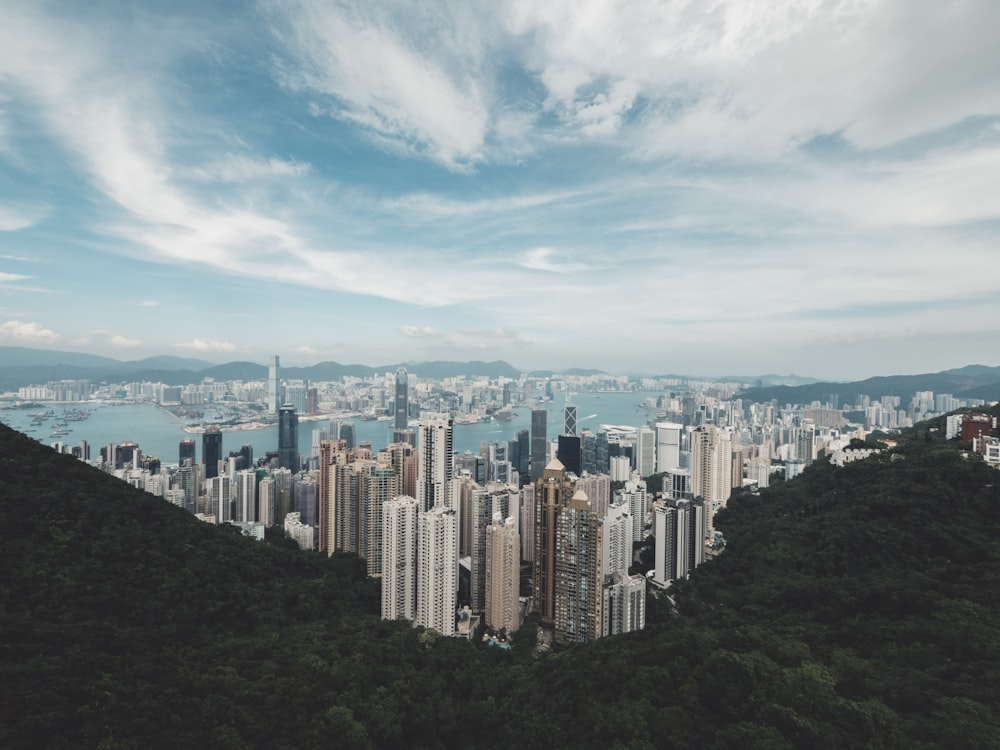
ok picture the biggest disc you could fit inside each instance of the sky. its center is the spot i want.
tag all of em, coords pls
(669, 186)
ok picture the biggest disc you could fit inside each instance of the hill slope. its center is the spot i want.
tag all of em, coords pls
(853, 608)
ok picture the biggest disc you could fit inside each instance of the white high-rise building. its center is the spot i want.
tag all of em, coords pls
(274, 386)
(246, 496)
(620, 468)
(633, 495)
(399, 558)
(680, 539)
(668, 446)
(645, 452)
(437, 569)
(434, 470)
(711, 470)
(616, 542)
(220, 494)
(624, 604)
(503, 574)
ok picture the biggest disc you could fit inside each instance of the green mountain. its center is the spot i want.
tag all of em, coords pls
(853, 608)
(972, 381)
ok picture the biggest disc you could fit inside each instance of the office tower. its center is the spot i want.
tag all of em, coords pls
(645, 452)
(399, 558)
(288, 438)
(186, 479)
(401, 408)
(578, 599)
(347, 434)
(553, 491)
(524, 455)
(569, 451)
(668, 446)
(211, 451)
(588, 441)
(437, 569)
(503, 575)
(379, 484)
(185, 452)
(538, 442)
(569, 420)
(274, 399)
(246, 496)
(624, 605)
(434, 471)
(312, 401)
(711, 471)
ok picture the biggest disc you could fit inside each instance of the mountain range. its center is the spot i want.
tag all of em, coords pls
(970, 382)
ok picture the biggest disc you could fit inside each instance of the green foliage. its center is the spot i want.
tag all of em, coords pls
(853, 607)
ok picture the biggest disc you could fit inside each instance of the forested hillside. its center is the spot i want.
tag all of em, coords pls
(854, 607)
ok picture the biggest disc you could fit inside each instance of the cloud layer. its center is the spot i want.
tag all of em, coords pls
(654, 186)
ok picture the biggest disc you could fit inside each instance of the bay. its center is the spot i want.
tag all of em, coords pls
(158, 432)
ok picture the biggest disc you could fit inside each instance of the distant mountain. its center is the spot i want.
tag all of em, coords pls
(770, 379)
(20, 356)
(972, 381)
(21, 366)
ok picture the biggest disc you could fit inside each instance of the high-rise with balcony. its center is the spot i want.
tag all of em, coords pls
(502, 574)
(402, 401)
(434, 471)
(399, 558)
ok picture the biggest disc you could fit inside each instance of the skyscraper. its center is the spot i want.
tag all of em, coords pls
(434, 471)
(273, 386)
(211, 451)
(288, 438)
(538, 442)
(437, 569)
(402, 403)
(668, 446)
(552, 492)
(569, 413)
(185, 451)
(399, 558)
(502, 574)
(711, 470)
(578, 605)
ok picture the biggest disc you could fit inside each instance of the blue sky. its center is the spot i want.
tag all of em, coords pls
(676, 186)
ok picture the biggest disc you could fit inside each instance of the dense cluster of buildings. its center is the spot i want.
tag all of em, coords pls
(540, 523)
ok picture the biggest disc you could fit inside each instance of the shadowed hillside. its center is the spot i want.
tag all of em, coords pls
(854, 607)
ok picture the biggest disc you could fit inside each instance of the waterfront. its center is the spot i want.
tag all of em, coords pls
(158, 432)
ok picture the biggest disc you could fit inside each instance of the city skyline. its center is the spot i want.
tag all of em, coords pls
(746, 188)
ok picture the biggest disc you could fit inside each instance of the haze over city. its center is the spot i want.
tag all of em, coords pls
(729, 189)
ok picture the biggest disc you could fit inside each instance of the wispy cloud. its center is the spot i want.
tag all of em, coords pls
(21, 332)
(551, 260)
(149, 303)
(203, 345)
(124, 343)
(7, 277)
(240, 168)
(420, 333)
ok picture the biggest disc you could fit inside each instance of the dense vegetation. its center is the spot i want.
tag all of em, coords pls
(854, 607)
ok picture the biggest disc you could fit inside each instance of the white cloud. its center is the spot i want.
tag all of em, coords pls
(420, 333)
(306, 349)
(124, 343)
(27, 333)
(548, 259)
(203, 345)
(149, 303)
(241, 168)
(15, 219)
(7, 277)
(407, 78)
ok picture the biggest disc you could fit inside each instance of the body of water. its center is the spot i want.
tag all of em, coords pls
(158, 432)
